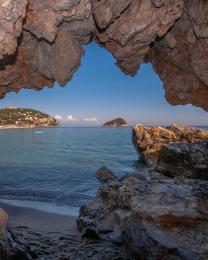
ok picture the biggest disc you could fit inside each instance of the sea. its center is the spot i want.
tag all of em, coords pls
(54, 169)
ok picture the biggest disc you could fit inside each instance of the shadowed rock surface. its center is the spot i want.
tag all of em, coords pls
(172, 35)
(155, 216)
(188, 160)
(104, 174)
(153, 145)
(23, 243)
(32, 234)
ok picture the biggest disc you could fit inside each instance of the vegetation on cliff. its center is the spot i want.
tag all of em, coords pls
(117, 122)
(13, 117)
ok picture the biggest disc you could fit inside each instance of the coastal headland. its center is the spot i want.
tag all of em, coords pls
(13, 117)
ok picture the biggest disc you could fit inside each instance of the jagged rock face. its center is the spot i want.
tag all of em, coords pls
(49, 49)
(12, 13)
(129, 36)
(157, 217)
(152, 142)
(41, 42)
(189, 160)
(180, 57)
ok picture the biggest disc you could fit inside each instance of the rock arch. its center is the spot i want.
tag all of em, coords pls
(41, 42)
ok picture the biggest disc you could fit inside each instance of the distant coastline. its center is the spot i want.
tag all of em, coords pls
(26, 127)
(17, 118)
(78, 126)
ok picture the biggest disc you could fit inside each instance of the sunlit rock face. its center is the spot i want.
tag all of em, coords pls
(41, 42)
(175, 151)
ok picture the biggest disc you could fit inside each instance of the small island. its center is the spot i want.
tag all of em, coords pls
(13, 117)
(117, 122)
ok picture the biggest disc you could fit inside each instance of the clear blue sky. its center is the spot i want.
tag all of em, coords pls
(99, 91)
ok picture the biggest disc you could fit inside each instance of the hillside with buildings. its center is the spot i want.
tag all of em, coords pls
(12, 117)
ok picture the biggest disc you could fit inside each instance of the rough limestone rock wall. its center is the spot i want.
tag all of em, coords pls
(181, 57)
(41, 42)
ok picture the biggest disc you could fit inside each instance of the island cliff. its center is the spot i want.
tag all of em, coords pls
(13, 117)
(118, 122)
(171, 35)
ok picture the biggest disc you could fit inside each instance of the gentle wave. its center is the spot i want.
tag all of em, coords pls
(58, 167)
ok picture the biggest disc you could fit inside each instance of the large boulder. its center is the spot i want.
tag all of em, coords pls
(149, 140)
(188, 160)
(155, 216)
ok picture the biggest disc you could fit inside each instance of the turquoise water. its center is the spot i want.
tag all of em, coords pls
(57, 166)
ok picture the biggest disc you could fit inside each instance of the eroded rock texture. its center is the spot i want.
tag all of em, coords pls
(129, 36)
(174, 151)
(159, 212)
(12, 13)
(50, 46)
(188, 160)
(181, 57)
(157, 217)
(41, 42)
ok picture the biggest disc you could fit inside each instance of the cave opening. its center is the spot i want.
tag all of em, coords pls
(95, 89)
(68, 165)
(98, 92)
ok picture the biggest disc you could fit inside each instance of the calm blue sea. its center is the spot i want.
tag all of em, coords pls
(54, 169)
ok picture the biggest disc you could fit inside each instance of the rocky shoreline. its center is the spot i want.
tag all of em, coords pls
(157, 213)
(34, 234)
(155, 216)
(160, 213)
(150, 141)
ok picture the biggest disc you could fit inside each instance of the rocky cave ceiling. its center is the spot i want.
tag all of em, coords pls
(41, 42)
